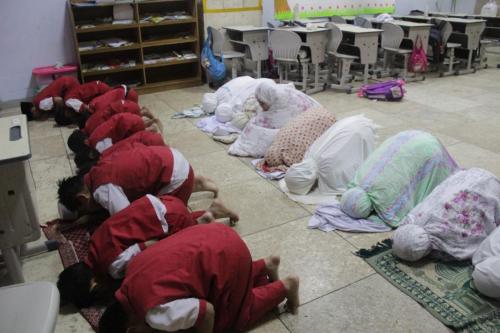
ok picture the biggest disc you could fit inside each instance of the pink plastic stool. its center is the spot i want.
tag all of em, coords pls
(45, 75)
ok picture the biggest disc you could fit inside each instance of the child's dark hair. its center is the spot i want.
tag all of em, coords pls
(61, 118)
(68, 191)
(87, 158)
(82, 119)
(77, 141)
(74, 285)
(114, 319)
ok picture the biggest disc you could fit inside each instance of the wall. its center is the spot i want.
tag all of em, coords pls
(34, 33)
(229, 17)
(403, 7)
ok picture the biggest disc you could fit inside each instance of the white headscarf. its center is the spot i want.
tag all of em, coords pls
(332, 161)
(284, 102)
(454, 219)
(209, 103)
(224, 113)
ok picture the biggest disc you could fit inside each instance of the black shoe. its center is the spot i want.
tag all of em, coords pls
(26, 109)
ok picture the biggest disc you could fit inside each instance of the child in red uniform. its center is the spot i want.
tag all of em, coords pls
(76, 101)
(125, 176)
(113, 130)
(88, 157)
(116, 94)
(50, 98)
(202, 277)
(93, 120)
(124, 235)
(79, 97)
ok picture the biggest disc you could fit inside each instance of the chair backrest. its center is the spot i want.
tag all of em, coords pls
(446, 32)
(284, 44)
(217, 41)
(363, 22)
(335, 37)
(338, 19)
(392, 36)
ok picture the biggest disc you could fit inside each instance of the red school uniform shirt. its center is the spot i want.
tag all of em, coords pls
(139, 171)
(209, 262)
(116, 128)
(106, 112)
(136, 224)
(77, 97)
(57, 88)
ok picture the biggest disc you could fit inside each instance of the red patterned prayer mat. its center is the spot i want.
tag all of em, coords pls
(74, 246)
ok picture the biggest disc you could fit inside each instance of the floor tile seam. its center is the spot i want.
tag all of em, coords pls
(272, 227)
(325, 295)
(341, 288)
(46, 158)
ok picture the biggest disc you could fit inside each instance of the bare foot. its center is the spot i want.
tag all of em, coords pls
(272, 265)
(219, 211)
(146, 112)
(206, 218)
(291, 284)
(205, 184)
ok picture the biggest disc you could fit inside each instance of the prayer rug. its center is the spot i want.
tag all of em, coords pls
(444, 288)
(74, 245)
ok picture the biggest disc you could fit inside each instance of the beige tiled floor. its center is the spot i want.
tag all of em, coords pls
(339, 292)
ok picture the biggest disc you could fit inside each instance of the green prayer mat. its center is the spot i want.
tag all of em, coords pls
(445, 289)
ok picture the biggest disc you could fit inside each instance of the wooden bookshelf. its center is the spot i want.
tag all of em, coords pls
(145, 39)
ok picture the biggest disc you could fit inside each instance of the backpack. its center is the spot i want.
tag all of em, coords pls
(216, 70)
(418, 62)
(392, 90)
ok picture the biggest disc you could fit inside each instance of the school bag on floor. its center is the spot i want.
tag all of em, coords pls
(418, 62)
(392, 90)
(216, 69)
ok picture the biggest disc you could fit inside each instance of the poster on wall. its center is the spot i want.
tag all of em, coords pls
(288, 9)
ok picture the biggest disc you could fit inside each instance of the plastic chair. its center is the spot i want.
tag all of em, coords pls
(338, 20)
(218, 41)
(344, 60)
(362, 22)
(286, 46)
(446, 33)
(392, 36)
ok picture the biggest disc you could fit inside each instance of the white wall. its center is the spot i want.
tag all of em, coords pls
(33, 33)
(218, 20)
(403, 7)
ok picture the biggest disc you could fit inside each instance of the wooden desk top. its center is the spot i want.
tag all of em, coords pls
(303, 30)
(356, 30)
(461, 20)
(245, 28)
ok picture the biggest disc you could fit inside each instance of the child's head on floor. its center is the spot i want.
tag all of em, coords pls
(78, 285)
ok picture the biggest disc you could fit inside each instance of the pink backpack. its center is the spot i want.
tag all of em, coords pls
(418, 62)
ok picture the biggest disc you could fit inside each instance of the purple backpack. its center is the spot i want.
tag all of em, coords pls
(392, 90)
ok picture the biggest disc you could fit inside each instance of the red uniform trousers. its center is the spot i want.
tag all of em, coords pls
(265, 296)
(101, 115)
(116, 128)
(86, 92)
(184, 191)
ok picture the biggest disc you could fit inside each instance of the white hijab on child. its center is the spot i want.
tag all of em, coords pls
(209, 103)
(267, 92)
(331, 161)
(454, 219)
(224, 113)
